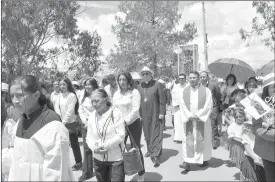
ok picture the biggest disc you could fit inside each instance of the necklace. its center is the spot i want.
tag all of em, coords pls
(145, 94)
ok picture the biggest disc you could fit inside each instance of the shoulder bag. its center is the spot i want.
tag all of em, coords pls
(131, 155)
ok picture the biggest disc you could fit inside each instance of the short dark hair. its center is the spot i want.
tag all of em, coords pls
(129, 79)
(111, 77)
(231, 76)
(103, 94)
(253, 78)
(195, 73)
(237, 91)
(182, 74)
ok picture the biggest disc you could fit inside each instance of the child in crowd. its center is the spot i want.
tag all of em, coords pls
(235, 131)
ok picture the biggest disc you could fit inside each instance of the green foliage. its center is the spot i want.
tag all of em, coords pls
(28, 25)
(264, 24)
(147, 34)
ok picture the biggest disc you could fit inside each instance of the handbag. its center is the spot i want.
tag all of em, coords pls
(73, 127)
(131, 155)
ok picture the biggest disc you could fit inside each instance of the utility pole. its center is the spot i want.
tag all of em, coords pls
(205, 38)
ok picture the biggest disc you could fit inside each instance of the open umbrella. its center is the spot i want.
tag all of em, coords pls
(266, 69)
(223, 67)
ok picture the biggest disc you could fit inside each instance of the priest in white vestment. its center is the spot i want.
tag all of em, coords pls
(196, 106)
(177, 92)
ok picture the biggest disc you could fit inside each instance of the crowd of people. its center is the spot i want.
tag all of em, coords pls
(39, 127)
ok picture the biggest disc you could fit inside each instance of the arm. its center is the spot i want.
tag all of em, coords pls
(162, 99)
(204, 113)
(119, 127)
(218, 93)
(266, 134)
(129, 119)
(90, 139)
(70, 109)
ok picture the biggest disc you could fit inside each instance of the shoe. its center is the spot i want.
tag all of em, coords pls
(77, 166)
(215, 148)
(140, 178)
(147, 154)
(156, 162)
(185, 166)
(205, 163)
(84, 177)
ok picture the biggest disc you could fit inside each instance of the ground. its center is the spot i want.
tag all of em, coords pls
(220, 168)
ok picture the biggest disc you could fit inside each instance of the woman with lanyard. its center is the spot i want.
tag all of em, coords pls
(66, 106)
(41, 143)
(85, 109)
(227, 89)
(127, 100)
(105, 137)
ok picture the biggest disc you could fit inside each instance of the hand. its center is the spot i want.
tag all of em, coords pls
(161, 116)
(257, 160)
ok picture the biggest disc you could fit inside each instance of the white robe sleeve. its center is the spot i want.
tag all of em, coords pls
(91, 141)
(205, 112)
(129, 119)
(119, 127)
(175, 97)
(54, 141)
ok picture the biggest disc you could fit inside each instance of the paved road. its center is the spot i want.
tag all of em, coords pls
(220, 168)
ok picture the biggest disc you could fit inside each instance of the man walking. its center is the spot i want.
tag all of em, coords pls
(152, 109)
(216, 96)
(195, 113)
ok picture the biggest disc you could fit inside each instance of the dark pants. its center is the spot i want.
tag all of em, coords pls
(269, 168)
(136, 130)
(75, 147)
(109, 171)
(215, 129)
(88, 156)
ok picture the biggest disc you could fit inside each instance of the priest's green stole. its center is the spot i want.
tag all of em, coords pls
(191, 148)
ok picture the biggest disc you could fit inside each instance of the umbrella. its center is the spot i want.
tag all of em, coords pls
(266, 69)
(226, 66)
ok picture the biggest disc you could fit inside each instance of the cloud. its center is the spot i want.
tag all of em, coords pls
(97, 5)
(223, 21)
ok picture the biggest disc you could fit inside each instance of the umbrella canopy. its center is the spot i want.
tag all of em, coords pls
(266, 69)
(226, 66)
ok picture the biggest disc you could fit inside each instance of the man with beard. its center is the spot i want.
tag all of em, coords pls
(216, 95)
(196, 106)
(152, 111)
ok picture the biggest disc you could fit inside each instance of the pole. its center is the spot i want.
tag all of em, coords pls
(178, 64)
(205, 38)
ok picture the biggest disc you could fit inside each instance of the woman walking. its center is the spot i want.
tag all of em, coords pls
(227, 89)
(127, 100)
(41, 143)
(105, 137)
(85, 110)
(67, 107)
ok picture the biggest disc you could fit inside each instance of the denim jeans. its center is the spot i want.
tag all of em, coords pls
(75, 147)
(109, 171)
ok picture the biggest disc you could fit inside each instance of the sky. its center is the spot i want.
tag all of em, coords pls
(223, 21)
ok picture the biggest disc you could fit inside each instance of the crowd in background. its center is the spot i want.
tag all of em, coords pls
(104, 114)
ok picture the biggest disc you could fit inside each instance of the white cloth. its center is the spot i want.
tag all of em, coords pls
(85, 109)
(8, 134)
(54, 97)
(249, 139)
(43, 157)
(65, 107)
(113, 134)
(204, 115)
(235, 130)
(128, 104)
(177, 93)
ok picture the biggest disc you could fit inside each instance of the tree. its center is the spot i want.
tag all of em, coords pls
(84, 53)
(262, 24)
(147, 34)
(27, 26)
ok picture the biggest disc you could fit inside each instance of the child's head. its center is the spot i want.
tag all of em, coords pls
(239, 115)
(240, 96)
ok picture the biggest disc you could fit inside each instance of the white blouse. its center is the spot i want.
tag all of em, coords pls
(108, 133)
(85, 109)
(128, 104)
(235, 130)
(65, 107)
